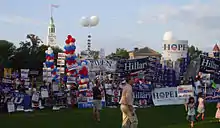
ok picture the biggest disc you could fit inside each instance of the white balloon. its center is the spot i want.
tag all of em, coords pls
(94, 20)
(85, 21)
(49, 48)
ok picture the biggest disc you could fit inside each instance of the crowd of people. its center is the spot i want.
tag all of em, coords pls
(195, 105)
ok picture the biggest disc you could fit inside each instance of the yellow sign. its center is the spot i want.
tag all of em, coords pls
(7, 72)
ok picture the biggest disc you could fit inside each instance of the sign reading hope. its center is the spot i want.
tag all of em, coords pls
(166, 96)
(176, 47)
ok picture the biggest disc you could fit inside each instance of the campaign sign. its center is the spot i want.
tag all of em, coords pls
(185, 91)
(88, 104)
(142, 98)
(21, 101)
(212, 95)
(209, 65)
(166, 96)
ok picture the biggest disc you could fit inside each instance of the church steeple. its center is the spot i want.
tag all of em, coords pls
(52, 26)
(51, 40)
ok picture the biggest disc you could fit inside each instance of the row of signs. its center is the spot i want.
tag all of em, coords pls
(112, 66)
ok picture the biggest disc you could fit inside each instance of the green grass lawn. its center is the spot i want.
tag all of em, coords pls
(155, 117)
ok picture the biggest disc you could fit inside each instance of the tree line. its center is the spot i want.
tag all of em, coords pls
(30, 54)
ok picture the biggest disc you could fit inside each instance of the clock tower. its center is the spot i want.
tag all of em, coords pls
(51, 38)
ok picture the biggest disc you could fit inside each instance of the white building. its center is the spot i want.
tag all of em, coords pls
(51, 37)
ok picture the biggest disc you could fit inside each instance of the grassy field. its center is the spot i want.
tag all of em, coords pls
(155, 117)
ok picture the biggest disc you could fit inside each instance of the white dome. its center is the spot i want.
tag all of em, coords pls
(168, 36)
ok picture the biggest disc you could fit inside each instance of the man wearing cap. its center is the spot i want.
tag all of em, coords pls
(129, 118)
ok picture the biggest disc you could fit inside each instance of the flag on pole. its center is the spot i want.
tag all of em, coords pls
(214, 84)
(54, 6)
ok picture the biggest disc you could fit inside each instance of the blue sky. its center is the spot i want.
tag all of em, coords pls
(123, 23)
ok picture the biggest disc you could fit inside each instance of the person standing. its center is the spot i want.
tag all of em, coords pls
(97, 97)
(190, 108)
(201, 107)
(129, 118)
(217, 114)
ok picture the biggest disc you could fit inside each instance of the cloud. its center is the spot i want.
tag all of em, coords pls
(198, 21)
(204, 15)
(19, 20)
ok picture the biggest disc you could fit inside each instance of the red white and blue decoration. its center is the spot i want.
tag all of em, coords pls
(71, 62)
(50, 64)
(84, 77)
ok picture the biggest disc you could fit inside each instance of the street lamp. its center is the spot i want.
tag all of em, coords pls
(89, 22)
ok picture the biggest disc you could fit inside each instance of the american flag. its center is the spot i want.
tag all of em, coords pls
(54, 6)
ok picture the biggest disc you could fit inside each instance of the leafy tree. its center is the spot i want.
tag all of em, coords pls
(120, 53)
(31, 54)
(194, 52)
(94, 54)
(7, 50)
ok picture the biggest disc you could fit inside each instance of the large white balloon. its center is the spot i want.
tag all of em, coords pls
(85, 21)
(49, 48)
(94, 20)
(168, 36)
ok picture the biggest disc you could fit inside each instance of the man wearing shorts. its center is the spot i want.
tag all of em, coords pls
(97, 101)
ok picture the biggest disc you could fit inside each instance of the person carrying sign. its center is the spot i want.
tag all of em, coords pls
(129, 118)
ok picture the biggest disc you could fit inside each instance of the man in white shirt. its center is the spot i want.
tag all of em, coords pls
(129, 118)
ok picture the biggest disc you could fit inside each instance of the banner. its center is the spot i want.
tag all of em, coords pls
(185, 91)
(209, 65)
(166, 96)
(20, 100)
(102, 65)
(85, 100)
(142, 98)
(132, 65)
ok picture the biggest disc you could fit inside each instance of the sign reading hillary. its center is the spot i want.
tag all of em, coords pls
(209, 65)
(132, 65)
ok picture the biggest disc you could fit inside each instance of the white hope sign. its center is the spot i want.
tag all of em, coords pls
(102, 65)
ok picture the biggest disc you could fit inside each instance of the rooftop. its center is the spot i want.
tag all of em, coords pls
(146, 51)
